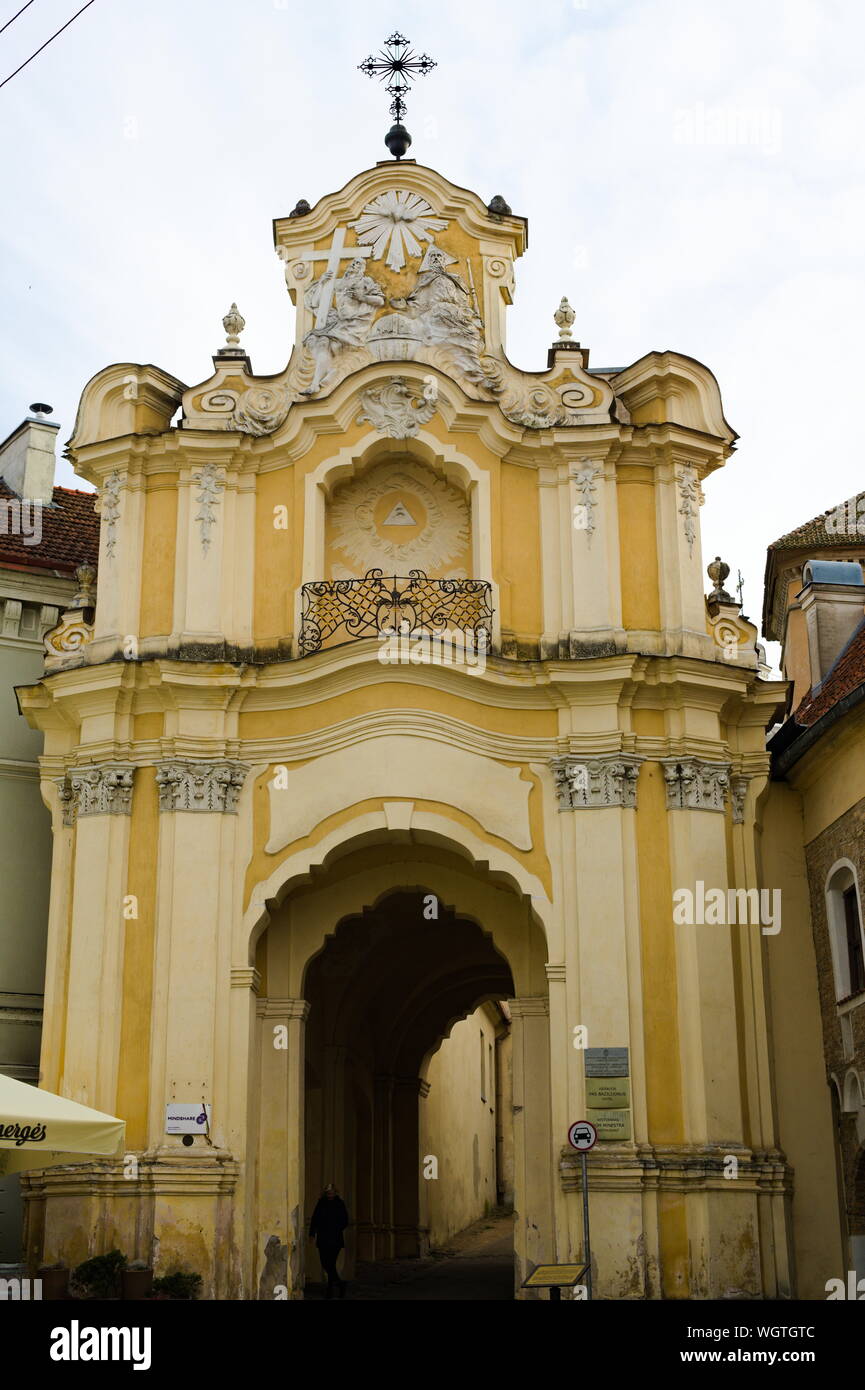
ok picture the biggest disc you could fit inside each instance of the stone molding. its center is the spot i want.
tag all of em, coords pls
(197, 785)
(596, 782)
(104, 790)
(684, 1168)
(282, 1008)
(246, 977)
(695, 785)
(530, 1006)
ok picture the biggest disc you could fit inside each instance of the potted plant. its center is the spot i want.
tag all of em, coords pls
(136, 1280)
(99, 1277)
(55, 1280)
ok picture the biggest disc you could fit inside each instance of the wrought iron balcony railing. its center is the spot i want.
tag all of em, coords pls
(378, 604)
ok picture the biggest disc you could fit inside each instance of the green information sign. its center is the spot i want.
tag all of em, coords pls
(611, 1124)
(608, 1092)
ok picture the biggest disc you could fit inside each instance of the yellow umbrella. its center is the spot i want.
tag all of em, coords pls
(41, 1130)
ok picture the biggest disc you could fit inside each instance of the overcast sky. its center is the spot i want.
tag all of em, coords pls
(691, 171)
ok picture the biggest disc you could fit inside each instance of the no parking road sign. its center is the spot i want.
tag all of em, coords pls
(582, 1136)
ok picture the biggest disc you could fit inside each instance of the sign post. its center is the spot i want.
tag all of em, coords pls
(582, 1136)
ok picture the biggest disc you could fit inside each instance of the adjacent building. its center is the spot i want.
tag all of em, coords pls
(815, 606)
(46, 532)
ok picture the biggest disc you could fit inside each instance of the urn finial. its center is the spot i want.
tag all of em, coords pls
(234, 324)
(564, 318)
(717, 572)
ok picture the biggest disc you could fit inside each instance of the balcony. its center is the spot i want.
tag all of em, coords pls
(335, 611)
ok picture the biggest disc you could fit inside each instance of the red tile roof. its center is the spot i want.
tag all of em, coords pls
(70, 534)
(814, 532)
(847, 674)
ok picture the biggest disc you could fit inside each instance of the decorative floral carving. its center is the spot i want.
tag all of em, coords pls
(186, 785)
(585, 481)
(394, 224)
(738, 793)
(689, 493)
(695, 785)
(109, 510)
(396, 409)
(210, 486)
(606, 780)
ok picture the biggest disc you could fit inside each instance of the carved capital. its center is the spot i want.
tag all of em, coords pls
(695, 785)
(606, 780)
(105, 790)
(186, 785)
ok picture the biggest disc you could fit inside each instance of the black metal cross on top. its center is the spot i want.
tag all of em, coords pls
(400, 66)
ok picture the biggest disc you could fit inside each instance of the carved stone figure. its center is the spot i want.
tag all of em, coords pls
(356, 297)
(441, 306)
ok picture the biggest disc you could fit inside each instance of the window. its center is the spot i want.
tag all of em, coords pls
(854, 940)
(844, 917)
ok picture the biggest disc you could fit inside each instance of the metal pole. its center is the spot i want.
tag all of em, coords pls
(587, 1249)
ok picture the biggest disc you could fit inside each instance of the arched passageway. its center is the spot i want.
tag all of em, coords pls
(371, 961)
(383, 994)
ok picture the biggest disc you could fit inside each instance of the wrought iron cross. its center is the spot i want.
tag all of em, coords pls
(398, 66)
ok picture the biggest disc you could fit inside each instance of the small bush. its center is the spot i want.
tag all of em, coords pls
(99, 1277)
(177, 1284)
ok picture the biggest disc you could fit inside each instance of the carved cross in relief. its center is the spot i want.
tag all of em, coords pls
(333, 254)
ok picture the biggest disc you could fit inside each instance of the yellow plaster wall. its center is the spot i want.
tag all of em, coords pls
(516, 539)
(660, 999)
(393, 694)
(277, 556)
(262, 864)
(134, 1070)
(156, 611)
(459, 1128)
(641, 599)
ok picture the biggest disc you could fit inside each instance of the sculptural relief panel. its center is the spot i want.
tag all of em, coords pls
(398, 516)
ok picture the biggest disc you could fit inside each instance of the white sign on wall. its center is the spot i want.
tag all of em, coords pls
(187, 1119)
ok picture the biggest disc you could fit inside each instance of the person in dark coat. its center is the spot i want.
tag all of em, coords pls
(329, 1220)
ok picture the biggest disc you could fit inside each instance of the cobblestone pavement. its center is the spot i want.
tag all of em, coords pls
(477, 1263)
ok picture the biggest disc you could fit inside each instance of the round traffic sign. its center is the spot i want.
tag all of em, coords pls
(582, 1135)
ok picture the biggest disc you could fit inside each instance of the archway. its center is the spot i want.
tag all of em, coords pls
(370, 961)
(383, 994)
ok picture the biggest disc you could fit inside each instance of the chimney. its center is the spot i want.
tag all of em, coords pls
(833, 603)
(27, 457)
